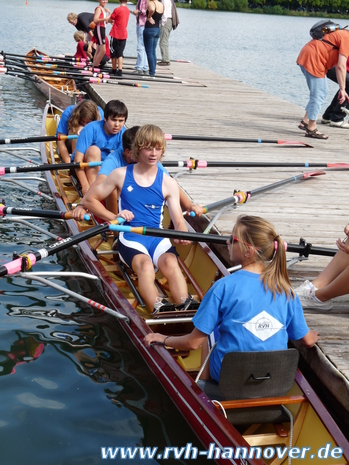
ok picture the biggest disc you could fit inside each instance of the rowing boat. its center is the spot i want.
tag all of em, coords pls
(313, 427)
(60, 91)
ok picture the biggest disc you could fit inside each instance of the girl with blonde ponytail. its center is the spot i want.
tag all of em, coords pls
(255, 308)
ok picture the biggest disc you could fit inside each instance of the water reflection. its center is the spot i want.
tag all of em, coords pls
(25, 349)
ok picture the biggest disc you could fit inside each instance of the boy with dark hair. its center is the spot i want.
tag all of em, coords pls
(118, 34)
(98, 139)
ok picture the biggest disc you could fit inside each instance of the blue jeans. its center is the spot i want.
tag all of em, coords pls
(151, 38)
(142, 62)
(318, 90)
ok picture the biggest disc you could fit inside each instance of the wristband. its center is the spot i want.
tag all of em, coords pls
(164, 341)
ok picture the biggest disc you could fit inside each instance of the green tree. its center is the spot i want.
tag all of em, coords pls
(227, 5)
(199, 4)
(241, 5)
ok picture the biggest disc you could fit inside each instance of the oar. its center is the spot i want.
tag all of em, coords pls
(38, 62)
(83, 79)
(230, 200)
(235, 139)
(46, 57)
(215, 239)
(194, 164)
(71, 75)
(26, 261)
(51, 214)
(49, 167)
(72, 69)
(38, 139)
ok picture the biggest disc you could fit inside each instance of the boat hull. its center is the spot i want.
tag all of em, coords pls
(61, 92)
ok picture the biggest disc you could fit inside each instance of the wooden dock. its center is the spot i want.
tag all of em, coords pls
(315, 209)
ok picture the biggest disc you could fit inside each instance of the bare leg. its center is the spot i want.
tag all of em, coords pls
(169, 267)
(120, 63)
(113, 64)
(100, 52)
(339, 286)
(93, 153)
(144, 268)
(336, 266)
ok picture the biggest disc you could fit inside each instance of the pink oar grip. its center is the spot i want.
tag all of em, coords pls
(168, 136)
(2, 210)
(16, 265)
(201, 164)
(2, 171)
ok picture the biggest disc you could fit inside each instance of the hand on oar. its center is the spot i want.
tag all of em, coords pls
(26, 261)
(52, 214)
(236, 139)
(231, 200)
(49, 167)
(238, 197)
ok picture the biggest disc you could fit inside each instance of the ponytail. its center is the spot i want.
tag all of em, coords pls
(269, 249)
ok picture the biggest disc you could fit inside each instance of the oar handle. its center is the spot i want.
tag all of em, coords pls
(238, 197)
(17, 265)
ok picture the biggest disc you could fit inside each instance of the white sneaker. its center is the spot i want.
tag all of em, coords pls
(340, 124)
(304, 287)
(325, 121)
(309, 300)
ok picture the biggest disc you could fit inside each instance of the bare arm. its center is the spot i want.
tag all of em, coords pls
(63, 150)
(310, 339)
(187, 204)
(81, 210)
(341, 73)
(80, 173)
(190, 341)
(171, 194)
(151, 10)
(92, 199)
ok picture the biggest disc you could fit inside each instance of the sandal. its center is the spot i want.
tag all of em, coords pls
(303, 125)
(315, 134)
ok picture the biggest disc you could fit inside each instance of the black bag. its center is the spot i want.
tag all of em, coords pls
(323, 27)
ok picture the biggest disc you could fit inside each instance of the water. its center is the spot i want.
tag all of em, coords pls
(70, 381)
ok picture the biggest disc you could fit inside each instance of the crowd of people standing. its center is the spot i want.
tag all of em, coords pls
(155, 20)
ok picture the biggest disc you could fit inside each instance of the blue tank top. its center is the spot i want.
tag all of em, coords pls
(146, 203)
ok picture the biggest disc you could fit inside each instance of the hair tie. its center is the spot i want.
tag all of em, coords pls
(276, 245)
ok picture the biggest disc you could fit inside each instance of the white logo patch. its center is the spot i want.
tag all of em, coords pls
(130, 188)
(263, 326)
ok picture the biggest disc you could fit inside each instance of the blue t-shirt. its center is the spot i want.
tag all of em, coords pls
(116, 160)
(63, 122)
(248, 317)
(94, 134)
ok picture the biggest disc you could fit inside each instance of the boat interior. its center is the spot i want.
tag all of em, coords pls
(252, 390)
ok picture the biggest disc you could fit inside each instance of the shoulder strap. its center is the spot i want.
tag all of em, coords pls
(328, 42)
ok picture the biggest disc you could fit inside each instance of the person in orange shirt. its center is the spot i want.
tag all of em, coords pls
(315, 59)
